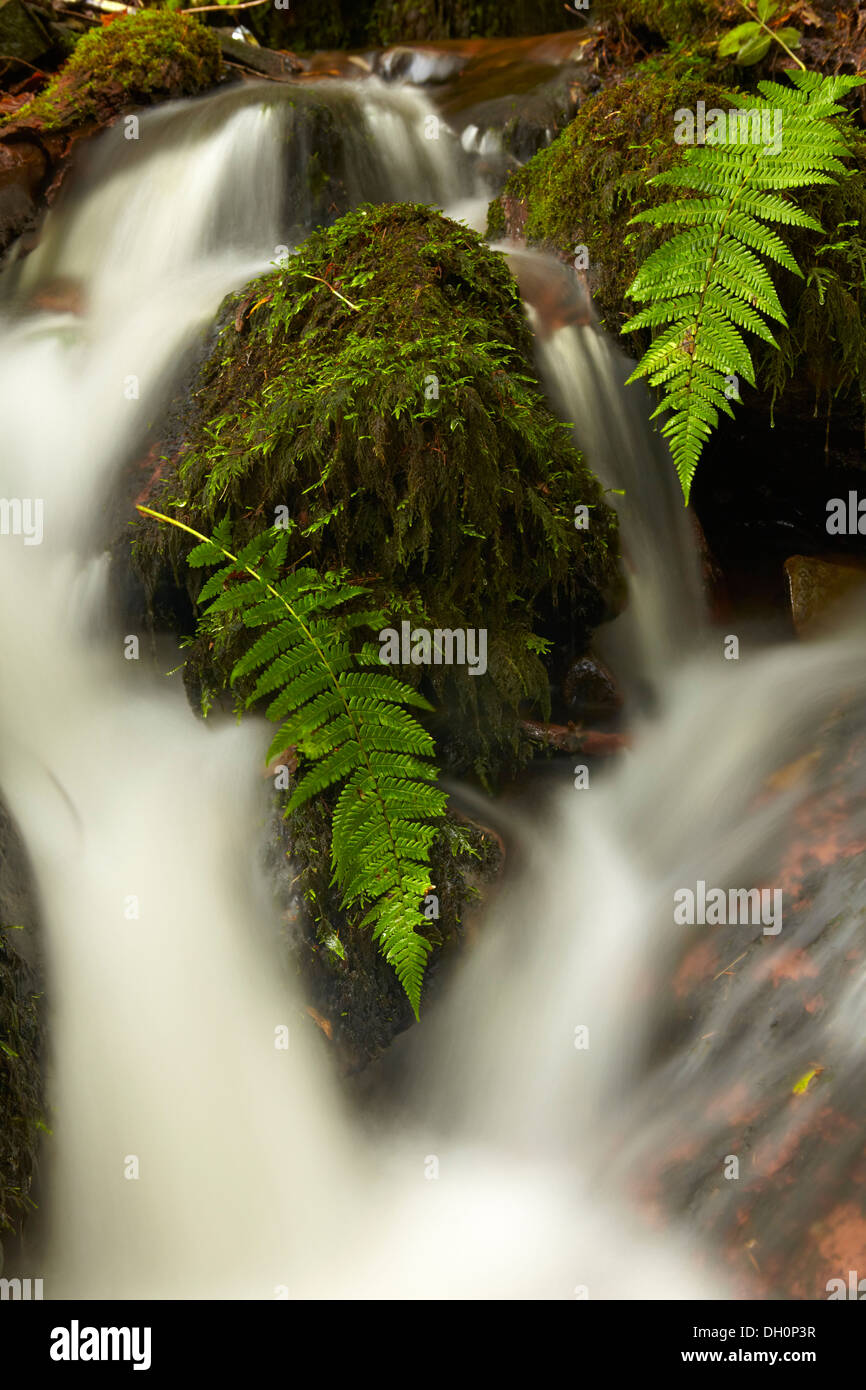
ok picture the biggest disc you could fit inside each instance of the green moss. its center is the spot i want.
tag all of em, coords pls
(134, 60)
(20, 1087)
(383, 393)
(585, 187)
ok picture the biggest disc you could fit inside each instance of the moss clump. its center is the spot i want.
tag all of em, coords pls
(382, 392)
(20, 1087)
(584, 189)
(136, 59)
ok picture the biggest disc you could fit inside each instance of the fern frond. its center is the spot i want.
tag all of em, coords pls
(706, 283)
(348, 723)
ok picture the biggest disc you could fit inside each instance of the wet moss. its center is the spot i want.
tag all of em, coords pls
(381, 392)
(137, 59)
(584, 189)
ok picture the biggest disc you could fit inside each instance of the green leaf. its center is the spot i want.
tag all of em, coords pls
(734, 39)
(754, 49)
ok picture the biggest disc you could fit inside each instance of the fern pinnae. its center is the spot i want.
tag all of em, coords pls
(708, 284)
(350, 725)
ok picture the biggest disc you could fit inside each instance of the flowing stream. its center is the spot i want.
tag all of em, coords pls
(254, 1178)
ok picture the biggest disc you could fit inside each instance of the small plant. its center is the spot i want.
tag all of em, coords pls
(750, 42)
(704, 286)
(348, 725)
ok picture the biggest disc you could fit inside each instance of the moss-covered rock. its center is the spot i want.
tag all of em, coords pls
(137, 59)
(584, 189)
(381, 392)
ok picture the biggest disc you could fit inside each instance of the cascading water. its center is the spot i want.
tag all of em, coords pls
(142, 825)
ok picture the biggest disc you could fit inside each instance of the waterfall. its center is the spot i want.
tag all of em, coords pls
(191, 1156)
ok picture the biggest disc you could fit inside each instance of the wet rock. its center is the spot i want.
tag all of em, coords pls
(820, 591)
(278, 66)
(23, 35)
(590, 690)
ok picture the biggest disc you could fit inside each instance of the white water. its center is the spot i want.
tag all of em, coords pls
(253, 1176)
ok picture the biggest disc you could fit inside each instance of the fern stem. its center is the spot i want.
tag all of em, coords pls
(709, 275)
(308, 276)
(773, 35)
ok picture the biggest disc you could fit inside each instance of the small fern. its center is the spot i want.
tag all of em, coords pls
(707, 284)
(349, 724)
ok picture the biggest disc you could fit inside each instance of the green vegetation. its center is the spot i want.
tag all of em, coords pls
(751, 41)
(381, 393)
(706, 284)
(137, 59)
(350, 725)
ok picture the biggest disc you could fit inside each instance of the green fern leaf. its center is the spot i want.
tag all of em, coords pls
(348, 723)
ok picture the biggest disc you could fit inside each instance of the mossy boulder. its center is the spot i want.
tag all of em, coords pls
(584, 189)
(139, 58)
(379, 392)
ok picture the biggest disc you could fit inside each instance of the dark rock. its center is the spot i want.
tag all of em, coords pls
(819, 589)
(590, 690)
(266, 61)
(23, 35)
